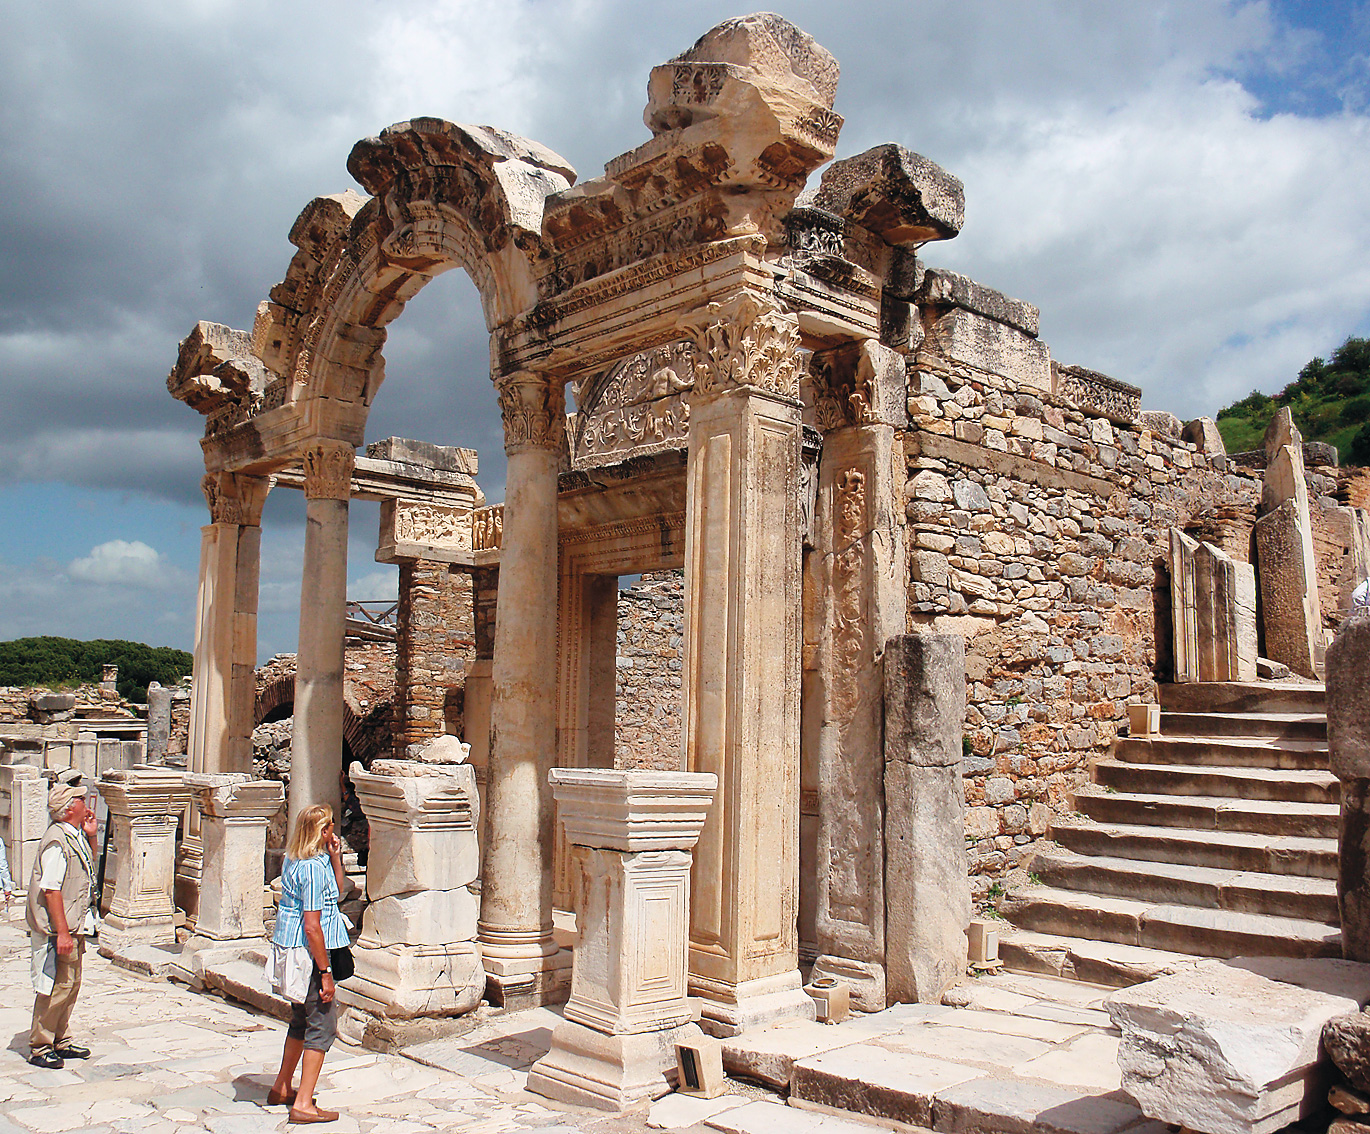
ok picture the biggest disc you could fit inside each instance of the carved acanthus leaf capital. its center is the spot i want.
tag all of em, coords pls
(328, 470)
(746, 342)
(235, 498)
(533, 407)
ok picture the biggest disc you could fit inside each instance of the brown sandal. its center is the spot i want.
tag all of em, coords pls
(299, 1116)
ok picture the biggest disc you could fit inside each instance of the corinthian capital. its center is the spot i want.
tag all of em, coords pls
(235, 498)
(328, 470)
(534, 410)
(746, 342)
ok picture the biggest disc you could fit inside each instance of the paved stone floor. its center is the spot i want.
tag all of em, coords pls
(168, 1060)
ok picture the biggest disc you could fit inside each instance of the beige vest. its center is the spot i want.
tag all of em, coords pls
(76, 885)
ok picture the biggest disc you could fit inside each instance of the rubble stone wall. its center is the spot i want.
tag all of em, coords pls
(1040, 532)
(651, 628)
(437, 640)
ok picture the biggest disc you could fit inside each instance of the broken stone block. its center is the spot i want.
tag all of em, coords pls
(1289, 591)
(1184, 606)
(1203, 434)
(1345, 1099)
(1347, 1039)
(429, 917)
(966, 336)
(900, 195)
(1233, 1047)
(1225, 616)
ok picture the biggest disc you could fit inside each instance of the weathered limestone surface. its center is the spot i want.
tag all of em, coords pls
(1184, 606)
(1225, 594)
(1348, 742)
(860, 572)
(901, 195)
(27, 792)
(1232, 1047)
(927, 895)
(632, 832)
(1290, 602)
(1347, 1040)
(145, 803)
(1203, 434)
(234, 812)
(416, 955)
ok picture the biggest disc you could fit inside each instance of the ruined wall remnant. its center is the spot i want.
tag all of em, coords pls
(651, 623)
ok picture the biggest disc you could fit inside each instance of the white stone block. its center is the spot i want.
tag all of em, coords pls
(429, 917)
(1233, 1047)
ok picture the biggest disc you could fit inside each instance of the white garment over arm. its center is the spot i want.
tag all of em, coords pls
(53, 868)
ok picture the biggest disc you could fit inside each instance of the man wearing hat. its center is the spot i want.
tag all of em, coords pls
(60, 897)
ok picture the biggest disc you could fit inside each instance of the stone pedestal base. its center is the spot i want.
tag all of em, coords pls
(729, 1010)
(403, 981)
(609, 1072)
(867, 980)
(117, 933)
(528, 982)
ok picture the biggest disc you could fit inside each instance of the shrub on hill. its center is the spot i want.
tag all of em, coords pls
(57, 662)
(1330, 401)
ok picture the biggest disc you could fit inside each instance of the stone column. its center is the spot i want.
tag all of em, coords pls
(224, 687)
(1348, 742)
(927, 895)
(144, 804)
(742, 665)
(632, 833)
(316, 748)
(1183, 612)
(27, 790)
(1225, 590)
(521, 956)
(234, 812)
(158, 721)
(416, 955)
(860, 592)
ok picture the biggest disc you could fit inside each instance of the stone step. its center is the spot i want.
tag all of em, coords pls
(1311, 899)
(1202, 932)
(1301, 786)
(1285, 726)
(1077, 958)
(1289, 855)
(245, 981)
(1255, 816)
(1243, 697)
(922, 1092)
(1227, 751)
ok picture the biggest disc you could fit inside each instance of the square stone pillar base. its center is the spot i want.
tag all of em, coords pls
(527, 983)
(731, 1009)
(610, 1072)
(404, 981)
(117, 933)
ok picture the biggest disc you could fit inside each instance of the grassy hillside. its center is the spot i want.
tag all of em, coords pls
(58, 662)
(1330, 400)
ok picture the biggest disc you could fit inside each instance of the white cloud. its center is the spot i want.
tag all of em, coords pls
(382, 585)
(125, 563)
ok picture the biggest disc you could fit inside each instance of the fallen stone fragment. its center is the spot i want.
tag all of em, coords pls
(1347, 1040)
(1348, 1101)
(1233, 1047)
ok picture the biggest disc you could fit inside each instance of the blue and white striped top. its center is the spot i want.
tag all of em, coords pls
(308, 884)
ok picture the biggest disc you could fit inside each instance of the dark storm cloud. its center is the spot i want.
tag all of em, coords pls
(1117, 174)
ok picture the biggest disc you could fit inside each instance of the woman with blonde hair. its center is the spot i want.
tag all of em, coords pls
(308, 925)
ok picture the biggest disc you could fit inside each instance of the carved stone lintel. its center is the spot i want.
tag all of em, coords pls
(533, 407)
(747, 341)
(328, 470)
(235, 498)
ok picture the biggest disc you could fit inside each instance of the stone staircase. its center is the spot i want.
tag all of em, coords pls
(1215, 838)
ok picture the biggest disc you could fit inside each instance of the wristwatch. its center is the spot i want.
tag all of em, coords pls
(328, 970)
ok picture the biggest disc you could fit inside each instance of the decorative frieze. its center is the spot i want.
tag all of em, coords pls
(1098, 394)
(637, 407)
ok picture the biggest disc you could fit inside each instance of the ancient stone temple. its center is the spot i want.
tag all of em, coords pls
(925, 565)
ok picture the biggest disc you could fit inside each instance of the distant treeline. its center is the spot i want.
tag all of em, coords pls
(1330, 401)
(64, 662)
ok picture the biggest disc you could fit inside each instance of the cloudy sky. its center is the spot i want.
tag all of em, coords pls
(1180, 187)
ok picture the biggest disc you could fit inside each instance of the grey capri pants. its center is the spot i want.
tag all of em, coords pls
(314, 1022)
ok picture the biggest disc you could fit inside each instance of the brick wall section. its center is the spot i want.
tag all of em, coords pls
(437, 638)
(1041, 534)
(651, 628)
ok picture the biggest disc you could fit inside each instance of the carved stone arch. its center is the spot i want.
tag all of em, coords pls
(444, 196)
(272, 696)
